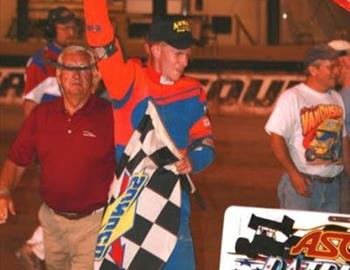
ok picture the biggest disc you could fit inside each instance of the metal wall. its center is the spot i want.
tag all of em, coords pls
(301, 21)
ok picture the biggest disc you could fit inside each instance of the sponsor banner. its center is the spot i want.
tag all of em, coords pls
(278, 239)
(227, 92)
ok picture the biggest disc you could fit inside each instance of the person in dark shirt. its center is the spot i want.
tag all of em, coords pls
(41, 86)
(72, 138)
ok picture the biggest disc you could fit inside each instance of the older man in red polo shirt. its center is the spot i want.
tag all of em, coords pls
(73, 139)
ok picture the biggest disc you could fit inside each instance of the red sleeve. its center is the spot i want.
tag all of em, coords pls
(117, 74)
(33, 76)
(202, 128)
(23, 149)
(99, 29)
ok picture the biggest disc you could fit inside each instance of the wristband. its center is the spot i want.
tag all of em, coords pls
(105, 51)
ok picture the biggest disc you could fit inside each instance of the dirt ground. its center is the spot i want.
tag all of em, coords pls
(244, 173)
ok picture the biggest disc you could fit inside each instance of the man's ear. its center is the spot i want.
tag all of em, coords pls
(312, 70)
(96, 77)
(147, 48)
(60, 86)
(58, 79)
(155, 50)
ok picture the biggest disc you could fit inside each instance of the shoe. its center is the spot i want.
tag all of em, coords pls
(28, 258)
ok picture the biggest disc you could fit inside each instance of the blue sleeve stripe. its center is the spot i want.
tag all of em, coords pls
(179, 93)
(48, 97)
(38, 60)
(117, 104)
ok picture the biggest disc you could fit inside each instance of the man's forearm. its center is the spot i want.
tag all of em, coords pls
(9, 176)
(280, 149)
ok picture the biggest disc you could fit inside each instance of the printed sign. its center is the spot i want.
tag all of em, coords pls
(229, 91)
(278, 239)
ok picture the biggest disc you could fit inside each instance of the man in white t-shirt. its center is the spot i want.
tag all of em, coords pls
(344, 84)
(308, 136)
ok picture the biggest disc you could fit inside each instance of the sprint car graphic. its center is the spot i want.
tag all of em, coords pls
(264, 241)
(326, 144)
(276, 239)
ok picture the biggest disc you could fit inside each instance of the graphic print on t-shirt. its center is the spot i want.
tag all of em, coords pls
(322, 131)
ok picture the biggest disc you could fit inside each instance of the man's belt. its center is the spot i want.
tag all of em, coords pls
(75, 216)
(323, 179)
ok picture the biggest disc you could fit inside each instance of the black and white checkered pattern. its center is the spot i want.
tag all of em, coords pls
(153, 235)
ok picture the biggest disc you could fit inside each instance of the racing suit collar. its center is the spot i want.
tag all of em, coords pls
(157, 77)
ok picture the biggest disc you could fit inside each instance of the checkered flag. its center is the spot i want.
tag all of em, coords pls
(140, 225)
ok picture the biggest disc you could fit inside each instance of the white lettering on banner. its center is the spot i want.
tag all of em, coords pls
(226, 91)
(245, 91)
(274, 263)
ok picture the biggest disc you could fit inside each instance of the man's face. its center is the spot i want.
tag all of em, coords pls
(65, 33)
(75, 83)
(172, 62)
(344, 71)
(326, 73)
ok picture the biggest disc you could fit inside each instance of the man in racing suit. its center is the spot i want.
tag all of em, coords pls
(180, 100)
(40, 76)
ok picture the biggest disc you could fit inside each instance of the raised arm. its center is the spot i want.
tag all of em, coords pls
(116, 73)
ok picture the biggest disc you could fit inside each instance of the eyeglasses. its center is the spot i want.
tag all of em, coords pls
(75, 68)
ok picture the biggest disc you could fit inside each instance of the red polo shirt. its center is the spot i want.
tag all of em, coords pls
(76, 153)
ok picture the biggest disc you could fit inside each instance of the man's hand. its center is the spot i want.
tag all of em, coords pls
(281, 151)
(9, 178)
(6, 205)
(300, 184)
(184, 165)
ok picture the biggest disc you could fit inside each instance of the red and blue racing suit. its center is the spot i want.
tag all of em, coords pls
(40, 77)
(182, 107)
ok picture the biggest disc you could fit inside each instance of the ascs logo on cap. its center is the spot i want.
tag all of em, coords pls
(181, 26)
